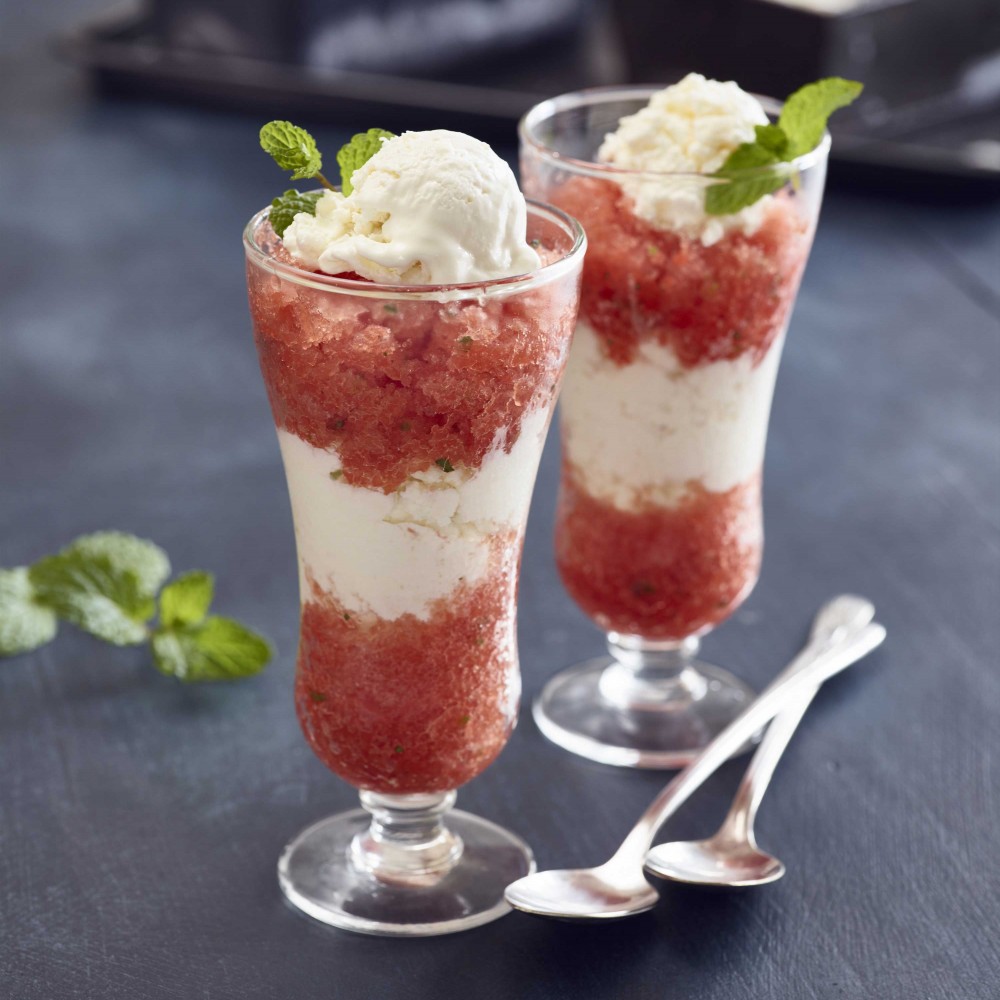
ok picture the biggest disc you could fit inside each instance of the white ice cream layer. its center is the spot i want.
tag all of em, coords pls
(395, 554)
(639, 433)
(687, 129)
(433, 207)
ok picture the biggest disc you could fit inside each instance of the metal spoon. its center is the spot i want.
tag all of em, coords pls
(731, 857)
(618, 888)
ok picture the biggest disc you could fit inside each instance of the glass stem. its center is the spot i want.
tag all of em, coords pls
(656, 676)
(407, 842)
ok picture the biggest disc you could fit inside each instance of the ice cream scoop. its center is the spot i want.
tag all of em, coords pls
(685, 133)
(434, 207)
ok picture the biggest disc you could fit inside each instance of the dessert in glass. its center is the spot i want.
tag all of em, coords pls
(665, 403)
(412, 338)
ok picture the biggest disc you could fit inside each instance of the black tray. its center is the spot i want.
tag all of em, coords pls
(959, 160)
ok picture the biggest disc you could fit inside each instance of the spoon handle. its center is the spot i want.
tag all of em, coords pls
(738, 824)
(807, 671)
(835, 621)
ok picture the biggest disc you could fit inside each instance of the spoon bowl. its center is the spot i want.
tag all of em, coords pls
(710, 863)
(583, 893)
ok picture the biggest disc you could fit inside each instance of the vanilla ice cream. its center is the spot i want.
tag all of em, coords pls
(435, 207)
(689, 129)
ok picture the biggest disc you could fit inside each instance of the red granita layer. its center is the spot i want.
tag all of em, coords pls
(397, 386)
(708, 303)
(659, 572)
(410, 704)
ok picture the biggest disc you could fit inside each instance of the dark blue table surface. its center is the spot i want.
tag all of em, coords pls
(140, 820)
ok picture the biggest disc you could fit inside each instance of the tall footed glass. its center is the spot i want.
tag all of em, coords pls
(411, 422)
(664, 414)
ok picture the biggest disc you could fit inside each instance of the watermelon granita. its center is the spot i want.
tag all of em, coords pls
(668, 388)
(411, 430)
(665, 410)
(411, 419)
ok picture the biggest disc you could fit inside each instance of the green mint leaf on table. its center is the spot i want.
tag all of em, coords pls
(192, 647)
(292, 148)
(126, 552)
(357, 152)
(216, 649)
(799, 129)
(105, 583)
(25, 624)
(186, 600)
(805, 114)
(290, 204)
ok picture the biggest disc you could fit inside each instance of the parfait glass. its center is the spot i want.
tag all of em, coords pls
(411, 421)
(663, 418)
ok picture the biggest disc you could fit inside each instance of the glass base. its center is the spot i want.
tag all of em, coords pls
(336, 872)
(608, 712)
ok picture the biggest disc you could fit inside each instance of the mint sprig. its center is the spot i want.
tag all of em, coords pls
(805, 114)
(25, 623)
(354, 154)
(106, 583)
(217, 649)
(187, 599)
(293, 148)
(799, 129)
(193, 646)
(290, 204)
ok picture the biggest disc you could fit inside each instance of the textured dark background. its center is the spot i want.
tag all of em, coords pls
(140, 821)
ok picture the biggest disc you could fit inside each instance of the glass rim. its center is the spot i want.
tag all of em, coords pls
(605, 95)
(472, 289)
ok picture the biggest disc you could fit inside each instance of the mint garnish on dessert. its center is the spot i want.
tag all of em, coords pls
(362, 147)
(106, 583)
(293, 148)
(285, 208)
(798, 130)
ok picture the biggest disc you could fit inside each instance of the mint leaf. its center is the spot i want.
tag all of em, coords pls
(127, 552)
(218, 649)
(24, 623)
(290, 204)
(773, 139)
(358, 151)
(741, 190)
(92, 594)
(800, 128)
(292, 148)
(805, 114)
(186, 600)
(105, 583)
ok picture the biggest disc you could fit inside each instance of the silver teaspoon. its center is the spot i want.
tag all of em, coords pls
(731, 857)
(618, 888)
